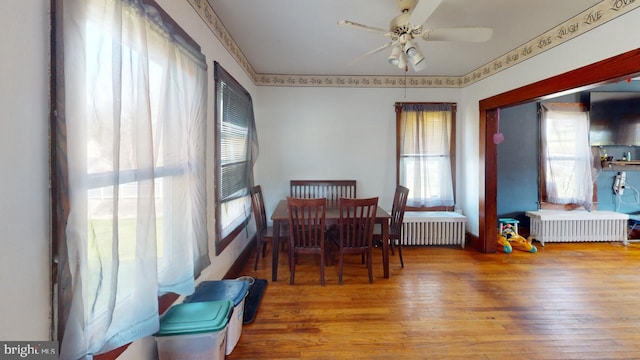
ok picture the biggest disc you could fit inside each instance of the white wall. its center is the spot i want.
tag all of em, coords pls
(24, 188)
(332, 133)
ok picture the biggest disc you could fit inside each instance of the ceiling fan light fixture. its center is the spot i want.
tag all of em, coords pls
(418, 62)
(402, 61)
(417, 58)
(396, 53)
(410, 49)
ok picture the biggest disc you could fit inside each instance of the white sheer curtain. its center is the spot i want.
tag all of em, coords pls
(566, 155)
(425, 154)
(135, 112)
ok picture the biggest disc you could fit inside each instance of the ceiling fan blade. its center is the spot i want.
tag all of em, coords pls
(362, 27)
(422, 11)
(467, 34)
(376, 50)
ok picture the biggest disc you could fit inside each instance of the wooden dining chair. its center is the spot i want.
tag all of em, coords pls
(395, 227)
(264, 233)
(306, 231)
(355, 227)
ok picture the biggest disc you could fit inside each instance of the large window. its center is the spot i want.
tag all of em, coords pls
(566, 157)
(130, 142)
(236, 150)
(426, 155)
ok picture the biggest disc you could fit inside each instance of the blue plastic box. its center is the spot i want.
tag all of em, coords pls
(194, 331)
(219, 290)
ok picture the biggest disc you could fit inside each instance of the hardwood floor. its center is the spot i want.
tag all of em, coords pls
(567, 301)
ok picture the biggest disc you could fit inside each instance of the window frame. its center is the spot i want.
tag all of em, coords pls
(221, 243)
(452, 151)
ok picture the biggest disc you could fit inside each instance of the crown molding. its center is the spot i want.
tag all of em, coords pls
(587, 20)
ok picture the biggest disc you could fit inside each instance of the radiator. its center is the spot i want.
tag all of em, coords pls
(577, 226)
(433, 228)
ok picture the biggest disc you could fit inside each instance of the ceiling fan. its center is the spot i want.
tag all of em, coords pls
(408, 27)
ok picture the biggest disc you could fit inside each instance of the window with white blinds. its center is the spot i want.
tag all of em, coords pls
(236, 146)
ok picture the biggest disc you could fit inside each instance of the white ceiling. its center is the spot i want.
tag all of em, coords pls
(301, 37)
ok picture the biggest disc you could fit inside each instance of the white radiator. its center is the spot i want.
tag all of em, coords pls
(577, 226)
(433, 228)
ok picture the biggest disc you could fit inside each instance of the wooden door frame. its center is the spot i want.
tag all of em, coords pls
(617, 68)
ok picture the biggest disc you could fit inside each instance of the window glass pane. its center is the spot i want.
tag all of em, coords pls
(425, 174)
(233, 214)
(425, 154)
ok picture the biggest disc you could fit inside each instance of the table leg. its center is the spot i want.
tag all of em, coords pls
(385, 248)
(275, 250)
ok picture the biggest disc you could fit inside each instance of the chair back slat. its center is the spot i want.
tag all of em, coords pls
(398, 208)
(259, 213)
(332, 190)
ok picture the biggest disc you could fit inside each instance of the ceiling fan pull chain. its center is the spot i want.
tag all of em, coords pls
(405, 82)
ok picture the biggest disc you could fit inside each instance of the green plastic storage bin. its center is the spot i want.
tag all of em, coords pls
(194, 331)
(233, 290)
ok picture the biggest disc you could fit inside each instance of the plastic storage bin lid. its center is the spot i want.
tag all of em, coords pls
(195, 318)
(234, 290)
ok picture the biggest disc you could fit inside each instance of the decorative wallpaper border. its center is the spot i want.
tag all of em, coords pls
(576, 26)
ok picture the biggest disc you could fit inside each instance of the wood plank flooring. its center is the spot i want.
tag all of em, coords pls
(567, 301)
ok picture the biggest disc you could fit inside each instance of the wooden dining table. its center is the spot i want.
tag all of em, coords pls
(280, 216)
